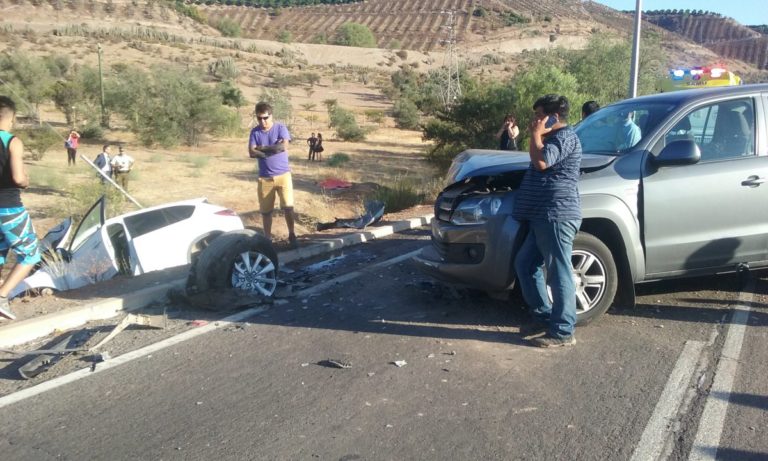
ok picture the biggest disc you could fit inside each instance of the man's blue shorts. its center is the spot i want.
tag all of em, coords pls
(16, 233)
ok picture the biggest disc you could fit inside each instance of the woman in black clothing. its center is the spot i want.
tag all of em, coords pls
(319, 147)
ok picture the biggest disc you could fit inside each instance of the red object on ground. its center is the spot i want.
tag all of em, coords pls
(335, 183)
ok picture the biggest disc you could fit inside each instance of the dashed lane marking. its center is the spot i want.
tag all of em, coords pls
(713, 419)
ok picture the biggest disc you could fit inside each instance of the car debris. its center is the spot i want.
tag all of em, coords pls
(374, 210)
(335, 363)
(44, 359)
(399, 363)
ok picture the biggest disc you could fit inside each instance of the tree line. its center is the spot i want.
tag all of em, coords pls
(685, 12)
(164, 105)
(274, 3)
(598, 72)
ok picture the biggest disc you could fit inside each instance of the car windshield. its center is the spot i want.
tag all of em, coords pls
(620, 127)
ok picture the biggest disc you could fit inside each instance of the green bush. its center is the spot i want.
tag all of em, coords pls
(406, 114)
(92, 131)
(354, 34)
(401, 195)
(338, 159)
(189, 11)
(345, 124)
(284, 36)
(39, 140)
(228, 28)
(223, 69)
(231, 94)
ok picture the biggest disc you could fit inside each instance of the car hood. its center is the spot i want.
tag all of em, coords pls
(479, 162)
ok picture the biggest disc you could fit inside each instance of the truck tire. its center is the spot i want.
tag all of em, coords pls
(242, 259)
(595, 275)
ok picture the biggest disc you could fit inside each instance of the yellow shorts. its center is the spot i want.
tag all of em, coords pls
(282, 186)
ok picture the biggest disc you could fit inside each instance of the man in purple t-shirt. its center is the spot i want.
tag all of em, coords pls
(268, 144)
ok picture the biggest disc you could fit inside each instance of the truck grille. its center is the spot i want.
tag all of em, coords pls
(447, 200)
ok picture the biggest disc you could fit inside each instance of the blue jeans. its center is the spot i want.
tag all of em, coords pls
(549, 244)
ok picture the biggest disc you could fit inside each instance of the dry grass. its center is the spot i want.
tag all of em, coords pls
(222, 171)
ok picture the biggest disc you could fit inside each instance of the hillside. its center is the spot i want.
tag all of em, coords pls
(722, 35)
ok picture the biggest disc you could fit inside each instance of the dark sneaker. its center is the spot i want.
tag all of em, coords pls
(5, 309)
(553, 341)
(533, 328)
(292, 242)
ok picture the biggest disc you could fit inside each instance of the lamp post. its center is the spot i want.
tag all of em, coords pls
(635, 51)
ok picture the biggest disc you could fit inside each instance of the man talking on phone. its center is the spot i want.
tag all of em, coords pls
(548, 206)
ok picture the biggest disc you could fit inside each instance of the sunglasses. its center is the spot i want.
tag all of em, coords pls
(262, 118)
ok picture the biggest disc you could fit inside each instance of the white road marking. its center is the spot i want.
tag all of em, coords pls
(713, 419)
(659, 429)
(180, 338)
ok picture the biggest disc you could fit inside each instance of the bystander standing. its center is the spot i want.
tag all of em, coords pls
(103, 162)
(267, 143)
(548, 206)
(73, 140)
(16, 231)
(122, 164)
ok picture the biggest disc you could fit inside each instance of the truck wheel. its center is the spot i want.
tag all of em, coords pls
(595, 276)
(243, 260)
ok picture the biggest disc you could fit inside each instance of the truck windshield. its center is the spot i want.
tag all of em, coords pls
(619, 127)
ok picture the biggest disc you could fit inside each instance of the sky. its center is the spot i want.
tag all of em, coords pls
(747, 12)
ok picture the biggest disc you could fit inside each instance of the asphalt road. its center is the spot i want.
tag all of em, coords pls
(636, 386)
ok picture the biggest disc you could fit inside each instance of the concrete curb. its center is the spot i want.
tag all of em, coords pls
(23, 331)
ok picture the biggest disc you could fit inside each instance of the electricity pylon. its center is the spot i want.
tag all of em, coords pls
(450, 91)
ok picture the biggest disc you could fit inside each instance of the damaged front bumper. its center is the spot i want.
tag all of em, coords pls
(478, 255)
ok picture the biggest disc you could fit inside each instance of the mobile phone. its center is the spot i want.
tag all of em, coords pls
(551, 120)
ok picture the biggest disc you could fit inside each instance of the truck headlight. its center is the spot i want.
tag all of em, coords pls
(475, 210)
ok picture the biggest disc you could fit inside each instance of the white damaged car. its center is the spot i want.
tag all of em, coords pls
(151, 239)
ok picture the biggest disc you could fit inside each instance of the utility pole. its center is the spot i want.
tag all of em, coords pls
(633, 71)
(101, 88)
(450, 92)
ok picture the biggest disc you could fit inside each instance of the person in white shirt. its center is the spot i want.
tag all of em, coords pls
(103, 162)
(121, 168)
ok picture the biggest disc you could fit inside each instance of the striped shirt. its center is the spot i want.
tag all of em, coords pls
(552, 194)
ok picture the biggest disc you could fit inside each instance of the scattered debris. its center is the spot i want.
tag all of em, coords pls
(44, 359)
(220, 300)
(374, 210)
(399, 363)
(198, 323)
(335, 363)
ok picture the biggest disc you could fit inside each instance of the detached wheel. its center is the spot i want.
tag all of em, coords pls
(242, 260)
(595, 277)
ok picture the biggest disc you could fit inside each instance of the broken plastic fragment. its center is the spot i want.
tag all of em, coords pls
(400, 363)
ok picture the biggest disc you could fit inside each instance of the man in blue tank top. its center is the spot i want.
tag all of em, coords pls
(16, 232)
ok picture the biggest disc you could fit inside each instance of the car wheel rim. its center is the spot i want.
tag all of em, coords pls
(254, 273)
(589, 276)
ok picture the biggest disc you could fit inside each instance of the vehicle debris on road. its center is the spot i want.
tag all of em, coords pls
(44, 359)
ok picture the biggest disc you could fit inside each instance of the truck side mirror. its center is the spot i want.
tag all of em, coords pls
(681, 152)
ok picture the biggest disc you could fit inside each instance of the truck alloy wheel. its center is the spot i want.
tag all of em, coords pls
(595, 277)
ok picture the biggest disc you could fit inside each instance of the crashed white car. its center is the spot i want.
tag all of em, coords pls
(147, 240)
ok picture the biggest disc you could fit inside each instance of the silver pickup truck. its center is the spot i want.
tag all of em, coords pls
(688, 198)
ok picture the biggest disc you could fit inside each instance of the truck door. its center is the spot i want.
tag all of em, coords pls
(711, 214)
